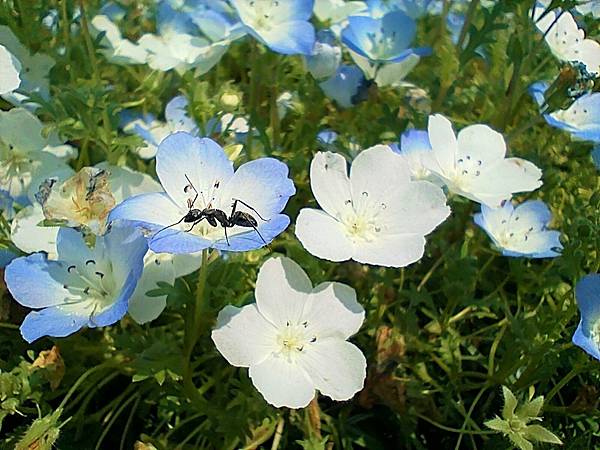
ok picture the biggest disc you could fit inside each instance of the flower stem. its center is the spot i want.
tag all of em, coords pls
(192, 332)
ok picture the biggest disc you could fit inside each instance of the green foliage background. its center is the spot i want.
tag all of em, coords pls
(441, 336)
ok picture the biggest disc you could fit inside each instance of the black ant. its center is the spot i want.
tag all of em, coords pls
(217, 217)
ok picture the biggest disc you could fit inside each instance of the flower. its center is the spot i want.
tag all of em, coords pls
(34, 68)
(346, 86)
(587, 335)
(282, 25)
(376, 216)
(117, 49)
(326, 56)
(84, 287)
(474, 165)
(415, 148)
(581, 119)
(294, 338)
(196, 174)
(566, 40)
(27, 157)
(9, 71)
(335, 11)
(153, 131)
(589, 7)
(521, 231)
(412, 8)
(383, 40)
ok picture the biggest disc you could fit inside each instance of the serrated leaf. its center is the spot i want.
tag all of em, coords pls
(541, 434)
(510, 403)
(498, 424)
(520, 441)
(531, 409)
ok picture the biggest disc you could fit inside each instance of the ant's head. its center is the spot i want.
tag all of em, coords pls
(193, 215)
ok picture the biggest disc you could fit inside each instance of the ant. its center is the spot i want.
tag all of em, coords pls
(217, 217)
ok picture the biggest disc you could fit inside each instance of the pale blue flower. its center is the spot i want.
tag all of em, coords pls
(346, 86)
(84, 287)
(581, 119)
(327, 136)
(326, 56)
(521, 231)
(412, 8)
(589, 7)
(415, 148)
(384, 40)
(282, 25)
(336, 11)
(587, 335)
(196, 173)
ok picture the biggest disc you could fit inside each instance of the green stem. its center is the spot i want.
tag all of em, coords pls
(192, 332)
(449, 429)
(568, 377)
(78, 383)
(464, 426)
(465, 28)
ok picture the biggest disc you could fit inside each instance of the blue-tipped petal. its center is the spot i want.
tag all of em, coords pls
(290, 38)
(345, 87)
(587, 293)
(251, 240)
(152, 211)
(177, 115)
(586, 342)
(414, 141)
(177, 242)
(57, 321)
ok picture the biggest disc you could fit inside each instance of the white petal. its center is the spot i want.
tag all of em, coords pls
(282, 289)
(391, 250)
(337, 368)
(125, 182)
(282, 383)
(243, 336)
(377, 174)
(332, 310)
(330, 183)
(323, 236)
(482, 143)
(443, 144)
(9, 71)
(31, 238)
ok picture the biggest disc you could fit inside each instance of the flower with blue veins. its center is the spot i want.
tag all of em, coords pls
(412, 8)
(521, 231)
(383, 40)
(83, 287)
(346, 87)
(587, 335)
(197, 176)
(415, 147)
(581, 119)
(282, 25)
(326, 56)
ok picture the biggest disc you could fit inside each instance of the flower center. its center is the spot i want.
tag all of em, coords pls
(595, 333)
(263, 14)
(294, 339)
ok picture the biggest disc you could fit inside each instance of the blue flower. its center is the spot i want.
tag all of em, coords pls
(587, 335)
(412, 8)
(385, 40)
(581, 119)
(326, 56)
(521, 231)
(84, 287)
(346, 86)
(196, 173)
(282, 25)
(415, 148)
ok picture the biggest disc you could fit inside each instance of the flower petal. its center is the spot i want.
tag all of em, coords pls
(243, 336)
(482, 143)
(289, 38)
(282, 289)
(323, 236)
(244, 239)
(443, 144)
(337, 368)
(153, 211)
(332, 310)
(201, 159)
(143, 308)
(58, 321)
(330, 183)
(391, 250)
(282, 383)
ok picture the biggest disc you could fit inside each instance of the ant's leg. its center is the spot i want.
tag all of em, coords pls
(195, 223)
(168, 226)
(226, 237)
(260, 235)
(235, 202)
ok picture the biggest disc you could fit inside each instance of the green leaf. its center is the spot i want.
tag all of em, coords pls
(510, 403)
(520, 441)
(531, 409)
(498, 424)
(541, 434)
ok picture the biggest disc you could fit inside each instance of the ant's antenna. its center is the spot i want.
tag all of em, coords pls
(191, 204)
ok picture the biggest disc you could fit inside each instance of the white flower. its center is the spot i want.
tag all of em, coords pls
(293, 338)
(34, 68)
(521, 231)
(566, 40)
(474, 164)
(376, 216)
(9, 71)
(119, 50)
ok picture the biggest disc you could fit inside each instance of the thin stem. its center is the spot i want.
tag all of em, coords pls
(465, 28)
(568, 377)
(78, 383)
(469, 412)
(114, 418)
(449, 429)
(278, 433)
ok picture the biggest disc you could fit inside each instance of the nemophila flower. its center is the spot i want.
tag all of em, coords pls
(83, 287)
(26, 156)
(589, 7)
(294, 338)
(412, 8)
(474, 164)
(282, 25)
(415, 148)
(9, 71)
(346, 87)
(326, 56)
(383, 40)
(565, 39)
(335, 11)
(387, 74)
(521, 231)
(197, 175)
(581, 119)
(377, 215)
(153, 131)
(587, 335)
(34, 68)
(116, 48)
